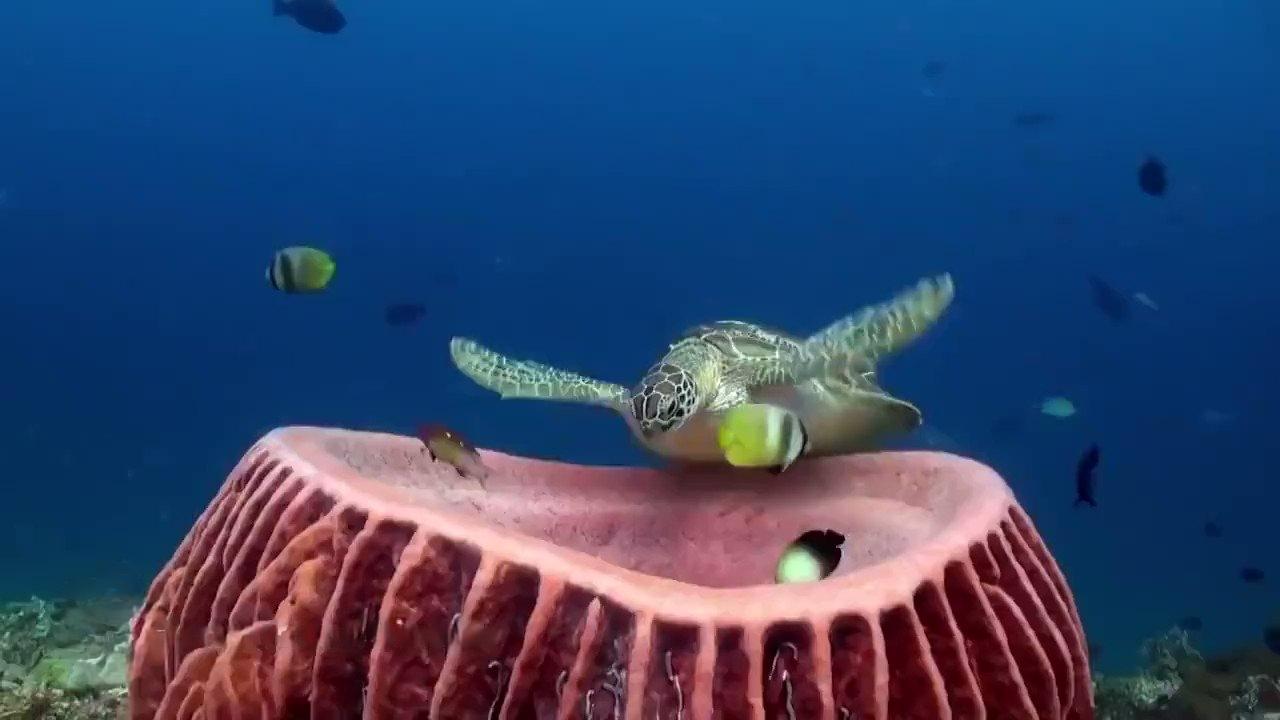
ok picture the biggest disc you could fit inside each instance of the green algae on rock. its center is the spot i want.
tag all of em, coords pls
(64, 660)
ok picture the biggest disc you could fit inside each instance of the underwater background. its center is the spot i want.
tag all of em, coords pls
(579, 182)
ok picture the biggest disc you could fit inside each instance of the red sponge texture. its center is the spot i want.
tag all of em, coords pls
(341, 575)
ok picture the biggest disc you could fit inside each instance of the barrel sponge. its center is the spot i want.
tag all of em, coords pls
(339, 574)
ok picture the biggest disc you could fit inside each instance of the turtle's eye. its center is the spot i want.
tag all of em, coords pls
(661, 401)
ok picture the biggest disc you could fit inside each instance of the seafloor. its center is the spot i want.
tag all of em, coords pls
(68, 660)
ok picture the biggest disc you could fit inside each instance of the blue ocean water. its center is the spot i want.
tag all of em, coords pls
(578, 182)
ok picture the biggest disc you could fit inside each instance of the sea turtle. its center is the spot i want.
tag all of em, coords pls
(828, 379)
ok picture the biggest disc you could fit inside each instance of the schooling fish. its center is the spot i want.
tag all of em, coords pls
(1085, 476)
(448, 446)
(1252, 575)
(1153, 177)
(762, 436)
(812, 557)
(320, 16)
(300, 270)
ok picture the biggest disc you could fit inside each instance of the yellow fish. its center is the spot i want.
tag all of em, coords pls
(762, 436)
(812, 557)
(300, 270)
(449, 446)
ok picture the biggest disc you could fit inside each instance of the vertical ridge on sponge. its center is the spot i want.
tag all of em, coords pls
(916, 690)
(669, 677)
(598, 681)
(240, 678)
(858, 663)
(289, 598)
(264, 593)
(488, 641)
(1059, 606)
(788, 676)
(731, 679)
(249, 540)
(538, 679)
(419, 608)
(1033, 665)
(999, 680)
(190, 679)
(350, 622)
(947, 651)
(303, 511)
(1015, 582)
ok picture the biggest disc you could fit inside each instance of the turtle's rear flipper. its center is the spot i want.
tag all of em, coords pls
(512, 378)
(879, 330)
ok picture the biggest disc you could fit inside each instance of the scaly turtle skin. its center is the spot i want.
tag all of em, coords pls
(828, 379)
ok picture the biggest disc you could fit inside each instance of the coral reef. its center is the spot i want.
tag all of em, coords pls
(340, 574)
(64, 660)
(1179, 683)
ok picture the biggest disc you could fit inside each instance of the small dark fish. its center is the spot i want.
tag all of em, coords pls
(320, 16)
(1191, 623)
(1212, 529)
(400, 314)
(1271, 638)
(1153, 178)
(1085, 476)
(449, 446)
(1113, 303)
(933, 69)
(1252, 575)
(1032, 119)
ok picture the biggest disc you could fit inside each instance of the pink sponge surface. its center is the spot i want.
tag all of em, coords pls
(339, 574)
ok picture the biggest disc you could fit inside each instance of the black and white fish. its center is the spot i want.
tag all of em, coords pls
(300, 270)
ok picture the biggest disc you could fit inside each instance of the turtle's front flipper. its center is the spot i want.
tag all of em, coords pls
(849, 348)
(512, 378)
(879, 330)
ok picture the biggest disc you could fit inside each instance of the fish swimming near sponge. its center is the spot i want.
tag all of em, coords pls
(301, 270)
(758, 435)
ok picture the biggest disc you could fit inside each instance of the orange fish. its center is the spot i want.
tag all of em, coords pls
(448, 446)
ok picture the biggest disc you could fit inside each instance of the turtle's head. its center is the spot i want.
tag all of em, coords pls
(664, 399)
